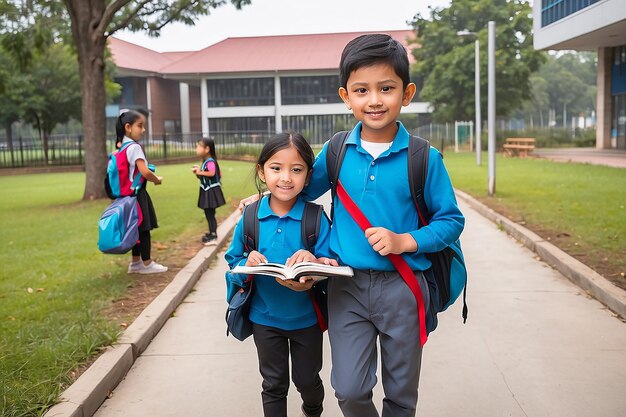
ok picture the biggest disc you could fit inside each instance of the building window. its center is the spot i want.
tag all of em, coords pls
(240, 92)
(318, 129)
(310, 90)
(553, 10)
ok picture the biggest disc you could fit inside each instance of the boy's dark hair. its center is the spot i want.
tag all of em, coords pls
(130, 116)
(367, 50)
(210, 143)
(283, 141)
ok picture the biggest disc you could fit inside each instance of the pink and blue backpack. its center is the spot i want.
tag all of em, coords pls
(117, 181)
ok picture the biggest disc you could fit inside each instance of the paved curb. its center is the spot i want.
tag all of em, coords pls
(580, 274)
(88, 392)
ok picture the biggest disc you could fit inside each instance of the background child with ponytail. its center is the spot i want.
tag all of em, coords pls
(211, 195)
(130, 128)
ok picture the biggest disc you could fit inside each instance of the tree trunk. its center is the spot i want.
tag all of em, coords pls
(85, 16)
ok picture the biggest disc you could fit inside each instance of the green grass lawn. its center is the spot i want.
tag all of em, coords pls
(54, 283)
(579, 207)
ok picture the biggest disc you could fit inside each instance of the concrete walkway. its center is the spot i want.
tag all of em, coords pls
(534, 345)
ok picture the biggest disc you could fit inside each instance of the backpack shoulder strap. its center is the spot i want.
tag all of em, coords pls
(251, 226)
(334, 157)
(310, 225)
(419, 152)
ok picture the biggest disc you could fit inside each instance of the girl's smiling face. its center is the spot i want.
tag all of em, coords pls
(285, 173)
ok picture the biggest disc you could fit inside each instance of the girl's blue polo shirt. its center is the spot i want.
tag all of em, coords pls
(280, 237)
(380, 187)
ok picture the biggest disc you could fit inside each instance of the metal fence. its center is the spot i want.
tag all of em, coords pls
(66, 150)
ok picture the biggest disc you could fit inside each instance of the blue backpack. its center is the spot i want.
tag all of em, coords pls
(118, 227)
(447, 277)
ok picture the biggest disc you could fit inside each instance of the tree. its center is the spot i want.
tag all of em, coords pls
(92, 23)
(53, 94)
(11, 85)
(444, 71)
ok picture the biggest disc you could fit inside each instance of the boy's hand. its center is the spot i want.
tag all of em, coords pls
(328, 261)
(297, 285)
(255, 258)
(385, 241)
(246, 201)
(301, 255)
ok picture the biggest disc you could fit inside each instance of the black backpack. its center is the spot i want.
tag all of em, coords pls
(310, 230)
(448, 274)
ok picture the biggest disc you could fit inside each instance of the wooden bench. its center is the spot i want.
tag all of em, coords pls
(519, 146)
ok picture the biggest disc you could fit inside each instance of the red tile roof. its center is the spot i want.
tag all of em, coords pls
(134, 57)
(249, 54)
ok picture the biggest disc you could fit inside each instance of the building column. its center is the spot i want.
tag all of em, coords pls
(185, 118)
(204, 103)
(278, 105)
(149, 105)
(603, 120)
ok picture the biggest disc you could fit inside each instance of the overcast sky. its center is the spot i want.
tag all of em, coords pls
(286, 17)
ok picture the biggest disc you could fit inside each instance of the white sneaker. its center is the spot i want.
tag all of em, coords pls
(153, 268)
(135, 267)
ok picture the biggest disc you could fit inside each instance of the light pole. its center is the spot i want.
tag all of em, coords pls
(491, 109)
(476, 89)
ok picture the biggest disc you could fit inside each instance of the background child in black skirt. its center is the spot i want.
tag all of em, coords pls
(130, 127)
(211, 195)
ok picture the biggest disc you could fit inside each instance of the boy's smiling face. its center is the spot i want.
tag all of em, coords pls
(375, 95)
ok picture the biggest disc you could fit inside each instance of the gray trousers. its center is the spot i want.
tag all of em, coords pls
(371, 305)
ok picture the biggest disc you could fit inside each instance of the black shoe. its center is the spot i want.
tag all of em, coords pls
(206, 237)
(211, 239)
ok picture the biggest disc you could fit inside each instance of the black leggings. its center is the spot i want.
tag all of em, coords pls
(209, 213)
(143, 247)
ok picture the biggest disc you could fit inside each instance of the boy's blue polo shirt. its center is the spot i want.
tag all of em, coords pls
(380, 187)
(279, 237)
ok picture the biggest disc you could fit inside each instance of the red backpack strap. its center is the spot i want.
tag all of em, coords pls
(398, 261)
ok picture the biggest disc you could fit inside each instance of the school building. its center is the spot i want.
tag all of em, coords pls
(592, 25)
(249, 85)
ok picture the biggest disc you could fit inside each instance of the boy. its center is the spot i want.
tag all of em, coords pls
(376, 302)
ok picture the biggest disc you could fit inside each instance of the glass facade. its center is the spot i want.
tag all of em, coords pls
(240, 92)
(618, 124)
(553, 10)
(310, 90)
(618, 93)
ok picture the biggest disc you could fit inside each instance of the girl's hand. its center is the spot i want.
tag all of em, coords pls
(385, 241)
(158, 181)
(328, 261)
(195, 169)
(300, 256)
(295, 285)
(255, 258)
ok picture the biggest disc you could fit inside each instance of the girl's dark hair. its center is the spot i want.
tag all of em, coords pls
(210, 143)
(283, 141)
(130, 116)
(367, 50)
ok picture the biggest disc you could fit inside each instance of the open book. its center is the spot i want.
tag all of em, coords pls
(318, 271)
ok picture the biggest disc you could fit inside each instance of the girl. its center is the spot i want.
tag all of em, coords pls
(130, 129)
(284, 321)
(211, 196)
